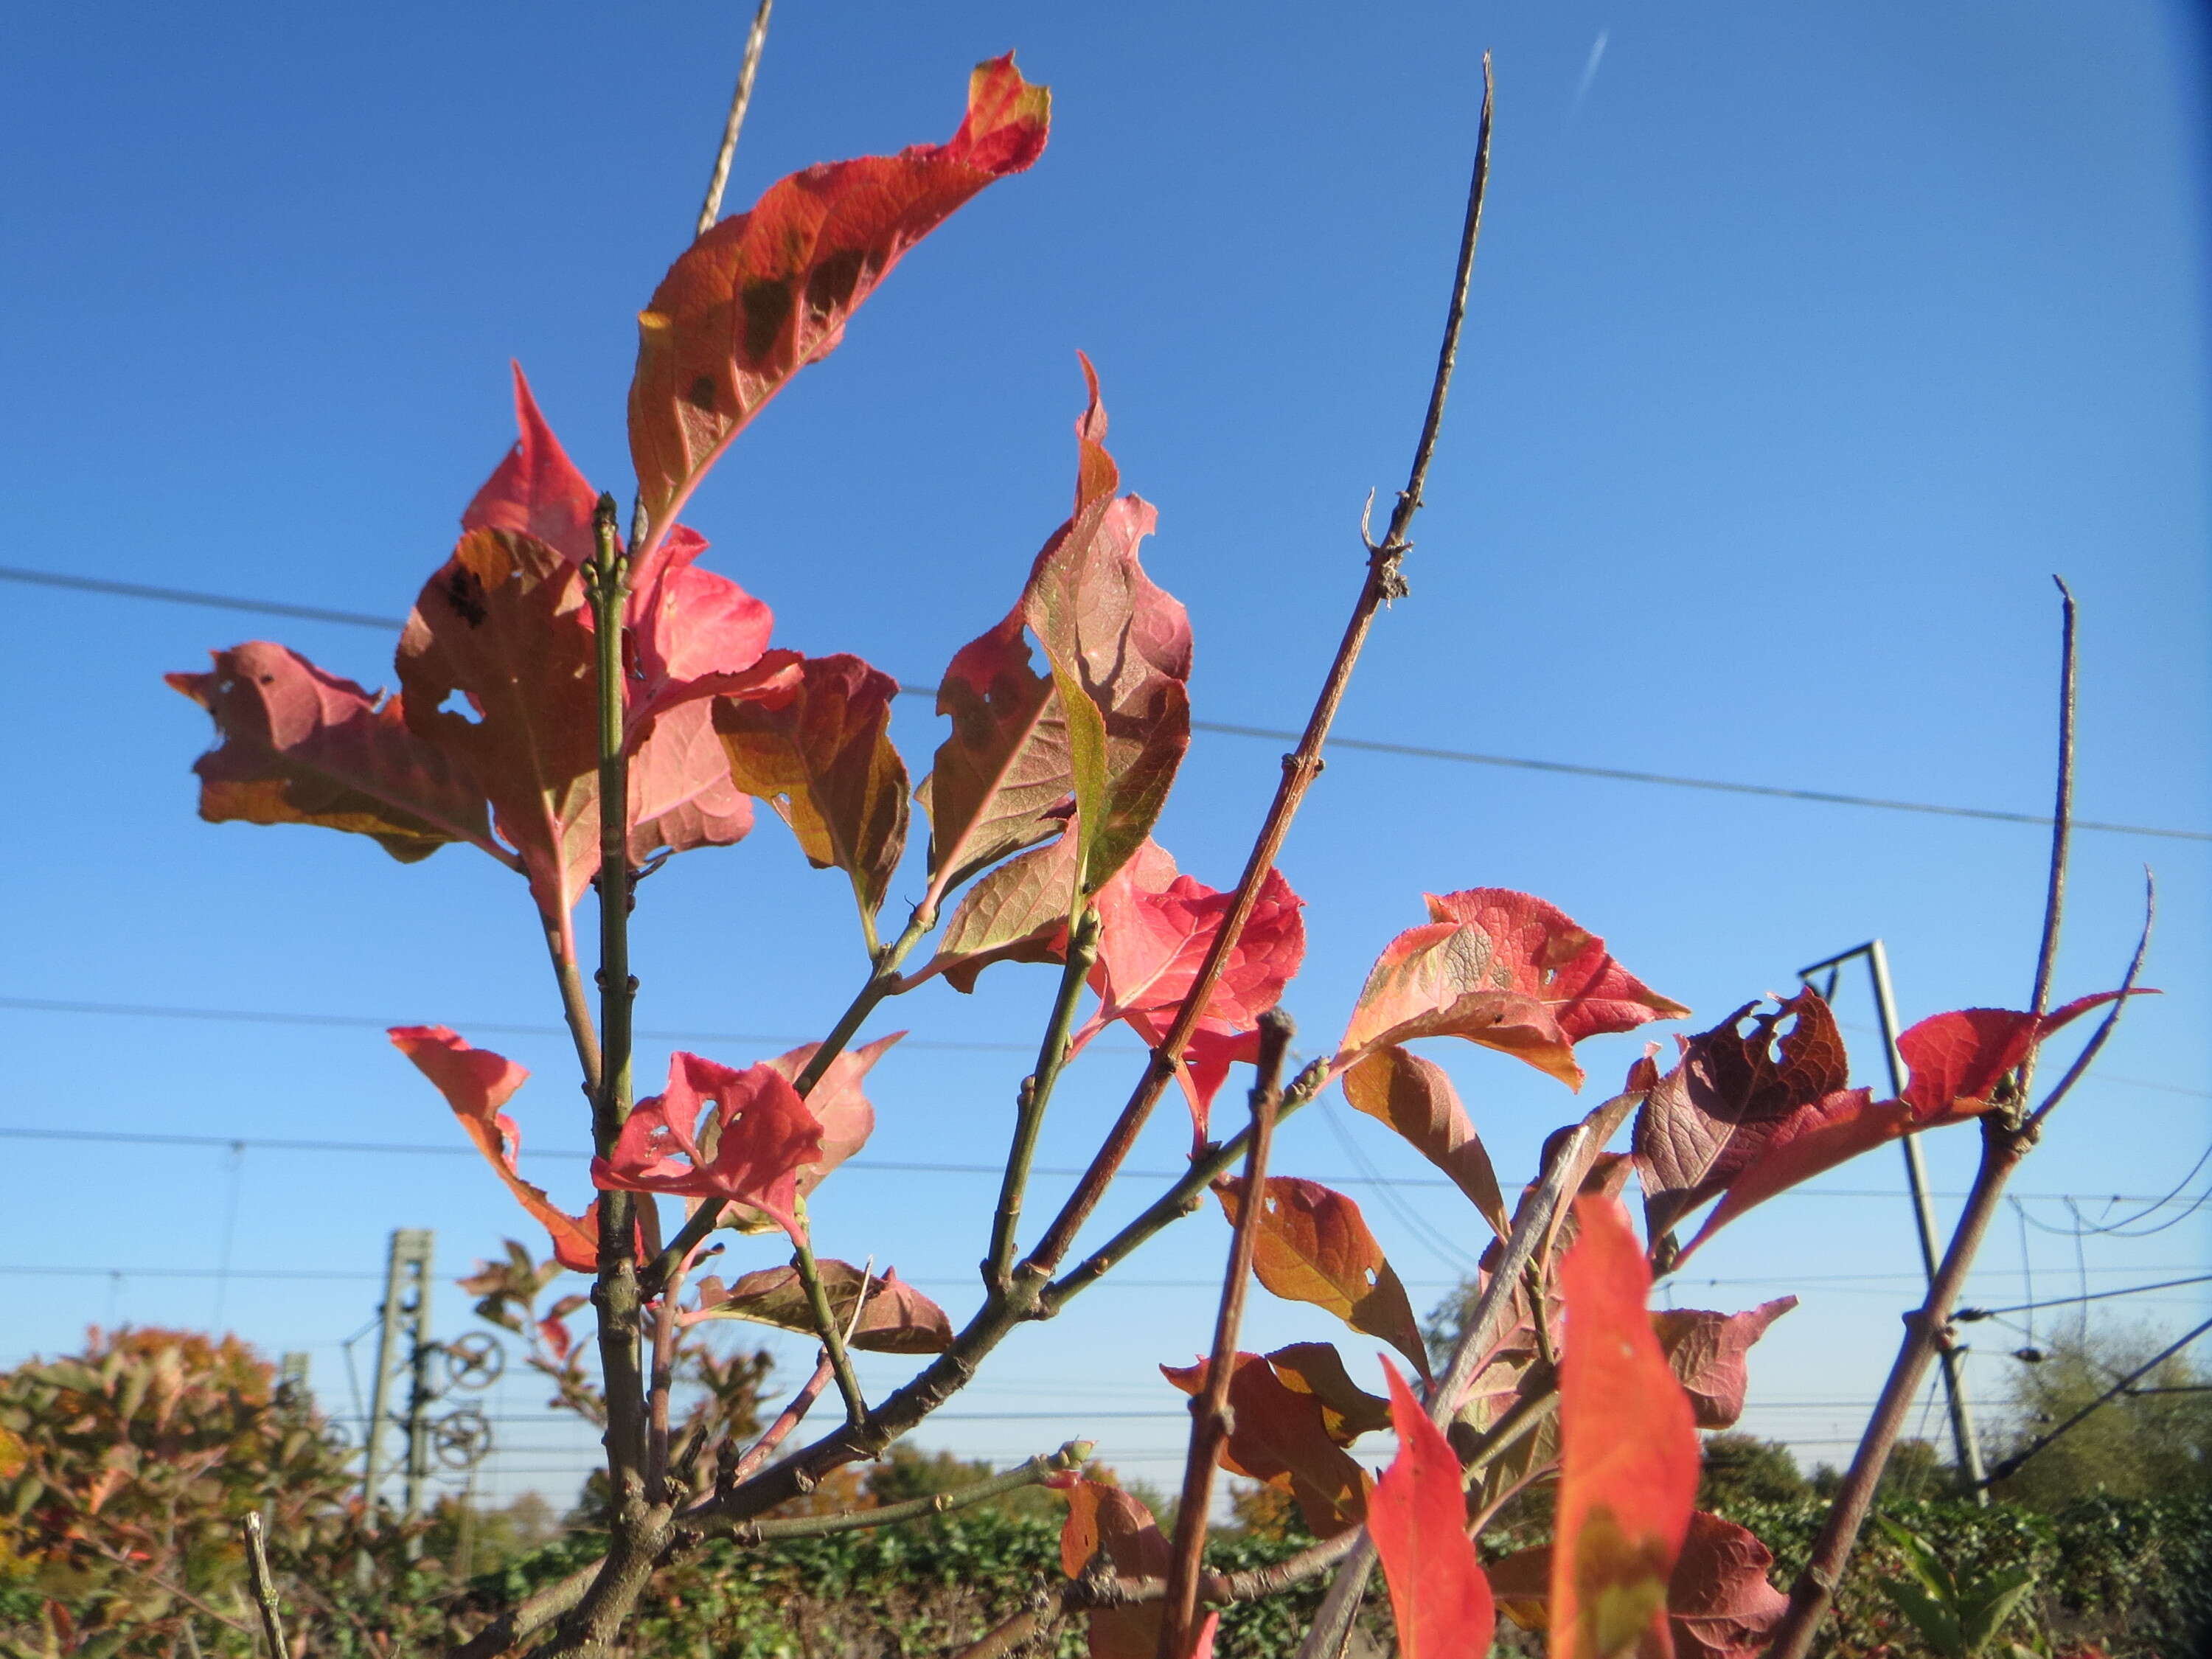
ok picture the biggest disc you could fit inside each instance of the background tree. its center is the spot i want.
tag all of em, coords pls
(2154, 1441)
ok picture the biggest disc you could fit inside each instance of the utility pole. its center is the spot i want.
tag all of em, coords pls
(403, 1351)
(1923, 1214)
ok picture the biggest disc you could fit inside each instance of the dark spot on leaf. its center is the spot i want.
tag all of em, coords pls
(701, 395)
(465, 594)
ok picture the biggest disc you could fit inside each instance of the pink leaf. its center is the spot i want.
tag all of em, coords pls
(762, 1135)
(1706, 1350)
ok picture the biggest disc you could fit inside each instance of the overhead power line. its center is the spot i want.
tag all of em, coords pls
(1969, 1314)
(372, 1023)
(1406, 750)
(883, 1166)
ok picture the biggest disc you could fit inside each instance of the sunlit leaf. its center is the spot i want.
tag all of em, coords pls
(1279, 1435)
(1106, 1522)
(1313, 1245)
(1417, 1517)
(1414, 1097)
(895, 1318)
(763, 1135)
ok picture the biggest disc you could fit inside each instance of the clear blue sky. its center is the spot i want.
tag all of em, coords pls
(1806, 344)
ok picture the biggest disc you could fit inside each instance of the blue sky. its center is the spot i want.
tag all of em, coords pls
(1805, 346)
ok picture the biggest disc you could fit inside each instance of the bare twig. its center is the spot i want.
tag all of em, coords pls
(1384, 582)
(2005, 1140)
(1209, 1428)
(1080, 1595)
(264, 1588)
(2090, 1049)
(1072, 1455)
(1531, 1226)
(780, 1431)
(755, 38)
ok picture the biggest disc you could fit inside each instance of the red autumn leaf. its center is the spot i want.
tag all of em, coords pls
(762, 1136)
(477, 1083)
(1628, 1449)
(1720, 1604)
(815, 743)
(692, 633)
(1730, 1093)
(1957, 1060)
(1155, 929)
(1504, 970)
(536, 491)
(895, 1318)
(1313, 1245)
(302, 746)
(1347, 1411)
(1415, 1098)
(1119, 652)
(1418, 1518)
(1201, 1645)
(761, 296)
(1816, 1138)
(1706, 1352)
(839, 1108)
(1105, 1521)
(1280, 1435)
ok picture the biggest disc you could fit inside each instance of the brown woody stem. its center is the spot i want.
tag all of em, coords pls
(2005, 1141)
(755, 38)
(1209, 1428)
(1383, 583)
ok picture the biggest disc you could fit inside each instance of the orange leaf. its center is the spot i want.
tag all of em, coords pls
(1414, 1097)
(1106, 1521)
(1505, 970)
(761, 296)
(1628, 1449)
(477, 1083)
(1314, 1246)
(1347, 1411)
(1720, 1604)
(1280, 1435)
(1418, 1519)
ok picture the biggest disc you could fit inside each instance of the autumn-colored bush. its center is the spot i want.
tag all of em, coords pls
(580, 701)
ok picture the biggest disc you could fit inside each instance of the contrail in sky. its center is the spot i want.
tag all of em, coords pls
(1589, 69)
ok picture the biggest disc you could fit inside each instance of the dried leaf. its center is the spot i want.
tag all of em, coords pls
(762, 1136)
(764, 294)
(1418, 1519)
(1504, 970)
(477, 1083)
(815, 743)
(1314, 1246)
(302, 746)
(897, 1318)
(1710, 1118)
(1628, 1449)
(1107, 1529)
(1415, 1098)
(1706, 1350)
(1279, 1435)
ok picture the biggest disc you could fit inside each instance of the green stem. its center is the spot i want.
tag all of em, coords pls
(882, 981)
(1036, 1096)
(616, 1294)
(825, 1324)
(1072, 1455)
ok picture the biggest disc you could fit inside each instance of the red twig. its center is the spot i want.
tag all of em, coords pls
(1209, 1428)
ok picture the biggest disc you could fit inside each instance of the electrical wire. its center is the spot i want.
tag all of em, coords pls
(1404, 751)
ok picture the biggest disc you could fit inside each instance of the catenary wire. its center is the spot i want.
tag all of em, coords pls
(1405, 750)
(1971, 1313)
